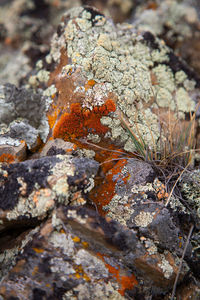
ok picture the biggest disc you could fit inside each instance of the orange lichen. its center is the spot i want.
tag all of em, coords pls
(35, 270)
(103, 192)
(76, 239)
(38, 250)
(53, 117)
(161, 191)
(85, 244)
(126, 281)
(90, 84)
(79, 122)
(80, 273)
(7, 158)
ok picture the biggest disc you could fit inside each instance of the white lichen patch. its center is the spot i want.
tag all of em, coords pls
(95, 290)
(143, 219)
(63, 241)
(62, 267)
(142, 188)
(118, 210)
(58, 179)
(37, 204)
(93, 266)
(166, 267)
(74, 215)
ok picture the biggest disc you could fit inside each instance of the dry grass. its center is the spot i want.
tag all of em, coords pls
(174, 153)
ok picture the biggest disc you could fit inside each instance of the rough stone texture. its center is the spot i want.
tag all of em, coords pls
(19, 123)
(101, 90)
(104, 73)
(9, 153)
(176, 22)
(31, 189)
(75, 248)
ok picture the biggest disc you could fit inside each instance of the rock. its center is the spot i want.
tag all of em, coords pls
(177, 23)
(74, 249)
(30, 190)
(110, 120)
(57, 146)
(106, 78)
(19, 123)
(10, 154)
(58, 262)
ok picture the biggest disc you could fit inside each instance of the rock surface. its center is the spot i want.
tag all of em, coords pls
(99, 176)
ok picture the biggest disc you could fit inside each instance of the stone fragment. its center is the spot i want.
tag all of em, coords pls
(59, 261)
(30, 190)
(57, 146)
(22, 116)
(10, 154)
(74, 249)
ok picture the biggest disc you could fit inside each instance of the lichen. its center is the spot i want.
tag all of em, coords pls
(38, 204)
(93, 266)
(101, 58)
(176, 17)
(8, 257)
(22, 123)
(166, 267)
(65, 243)
(143, 219)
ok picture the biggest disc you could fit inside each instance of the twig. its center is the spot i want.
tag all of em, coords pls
(181, 263)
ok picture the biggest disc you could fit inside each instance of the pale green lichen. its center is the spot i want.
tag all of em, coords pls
(120, 61)
(166, 267)
(180, 77)
(118, 210)
(183, 100)
(177, 17)
(50, 91)
(190, 187)
(143, 219)
(164, 77)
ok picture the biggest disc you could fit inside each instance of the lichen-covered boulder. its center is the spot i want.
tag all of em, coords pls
(78, 253)
(107, 123)
(101, 74)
